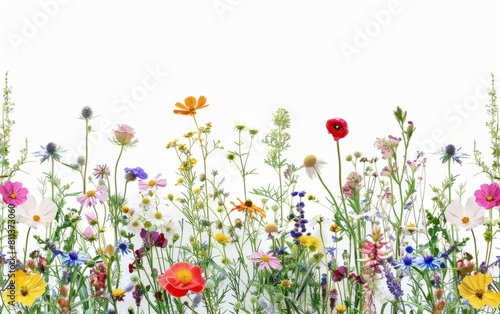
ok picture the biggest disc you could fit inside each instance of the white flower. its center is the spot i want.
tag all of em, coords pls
(468, 217)
(33, 215)
(313, 165)
(135, 226)
(158, 217)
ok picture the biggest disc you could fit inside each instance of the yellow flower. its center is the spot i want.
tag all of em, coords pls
(341, 308)
(285, 283)
(312, 243)
(190, 106)
(474, 289)
(221, 238)
(24, 288)
(249, 208)
(118, 294)
(334, 228)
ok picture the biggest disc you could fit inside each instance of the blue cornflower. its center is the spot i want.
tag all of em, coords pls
(137, 172)
(428, 262)
(409, 249)
(74, 259)
(331, 250)
(123, 247)
(323, 279)
(406, 262)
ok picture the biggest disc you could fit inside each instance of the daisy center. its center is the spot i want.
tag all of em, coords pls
(248, 203)
(24, 291)
(36, 218)
(465, 220)
(271, 228)
(145, 201)
(310, 161)
(479, 293)
(265, 258)
(90, 193)
(184, 276)
(158, 215)
(13, 196)
(489, 198)
(152, 183)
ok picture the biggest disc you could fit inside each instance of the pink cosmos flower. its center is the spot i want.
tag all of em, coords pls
(488, 196)
(92, 197)
(266, 260)
(90, 216)
(124, 135)
(13, 193)
(145, 185)
(89, 233)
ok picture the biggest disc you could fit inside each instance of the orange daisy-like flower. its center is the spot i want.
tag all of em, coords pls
(190, 105)
(249, 208)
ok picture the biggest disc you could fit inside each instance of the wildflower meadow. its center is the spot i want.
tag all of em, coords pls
(373, 237)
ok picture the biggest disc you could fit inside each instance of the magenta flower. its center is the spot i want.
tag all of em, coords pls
(488, 196)
(145, 185)
(266, 260)
(13, 193)
(92, 197)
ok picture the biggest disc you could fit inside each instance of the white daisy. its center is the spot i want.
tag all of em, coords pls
(313, 165)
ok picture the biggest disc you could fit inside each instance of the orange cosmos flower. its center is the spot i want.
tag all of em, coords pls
(249, 208)
(190, 106)
(180, 278)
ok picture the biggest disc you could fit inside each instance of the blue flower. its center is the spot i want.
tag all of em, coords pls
(406, 263)
(428, 262)
(122, 247)
(137, 172)
(331, 250)
(74, 259)
(409, 249)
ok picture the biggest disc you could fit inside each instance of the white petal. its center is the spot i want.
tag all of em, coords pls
(47, 209)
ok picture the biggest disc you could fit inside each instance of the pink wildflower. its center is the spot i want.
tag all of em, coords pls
(91, 217)
(92, 197)
(124, 135)
(89, 234)
(13, 193)
(373, 250)
(145, 185)
(387, 146)
(101, 171)
(488, 196)
(266, 260)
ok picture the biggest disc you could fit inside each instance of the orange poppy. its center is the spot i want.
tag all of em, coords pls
(191, 105)
(249, 208)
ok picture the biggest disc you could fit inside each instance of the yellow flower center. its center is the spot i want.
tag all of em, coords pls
(465, 220)
(36, 218)
(479, 293)
(90, 193)
(489, 198)
(158, 215)
(135, 223)
(265, 258)
(125, 209)
(152, 183)
(145, 201)
(13, 196)
(24, 291)
(185, 276)
(310, 161)
(286, 283)
(270, 228)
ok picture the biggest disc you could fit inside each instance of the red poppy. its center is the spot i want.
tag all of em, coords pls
(337, 127)
(180, 278)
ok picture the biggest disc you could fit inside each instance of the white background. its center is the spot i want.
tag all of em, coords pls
(318, 59)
